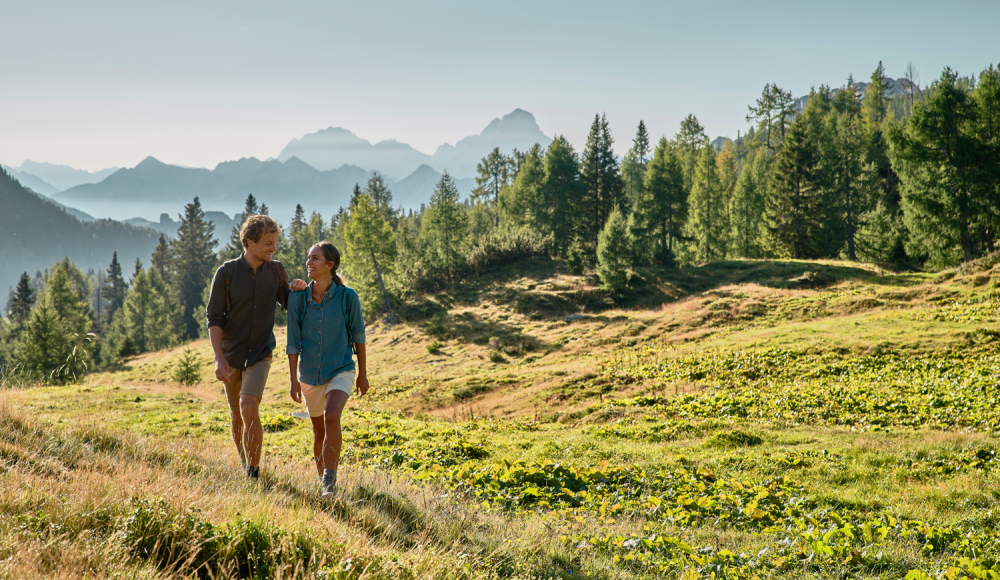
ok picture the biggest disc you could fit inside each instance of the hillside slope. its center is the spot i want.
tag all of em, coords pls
(38, 233)
(750, 419)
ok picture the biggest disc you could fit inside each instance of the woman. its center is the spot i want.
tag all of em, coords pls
(324, 320)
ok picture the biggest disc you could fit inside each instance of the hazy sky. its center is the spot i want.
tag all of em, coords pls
(101, 83)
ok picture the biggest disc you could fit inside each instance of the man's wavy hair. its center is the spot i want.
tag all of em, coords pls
(256, 227)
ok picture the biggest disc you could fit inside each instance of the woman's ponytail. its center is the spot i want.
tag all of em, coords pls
(332, 254)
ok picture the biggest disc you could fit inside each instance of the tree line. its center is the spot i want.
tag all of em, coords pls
(909, 180)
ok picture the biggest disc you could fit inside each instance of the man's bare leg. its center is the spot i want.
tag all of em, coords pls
(253, 432)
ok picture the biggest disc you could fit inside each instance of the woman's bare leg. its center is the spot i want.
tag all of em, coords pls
(319, 434)
(335, 401)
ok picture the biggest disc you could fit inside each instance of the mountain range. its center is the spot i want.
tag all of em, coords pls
(335, 147)
(318, 171)
(37, 233)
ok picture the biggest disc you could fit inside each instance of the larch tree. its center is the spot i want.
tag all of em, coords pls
(494, 175)
(708, 221)
(561, 189)
(371, 251)
(665, 201)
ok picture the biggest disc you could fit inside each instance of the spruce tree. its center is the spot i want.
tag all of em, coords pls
(42, 344)
(148, 318)
(444, 227)
(193, 263)
(561, 189)
(234, 248)
(22, 302)
(160, 261)
(115, 287)
(708, 223)
(602, 182)
(792, 207)
(55, 343)
(371, 252)
(939, 157)
(880, 177)
(614, 253)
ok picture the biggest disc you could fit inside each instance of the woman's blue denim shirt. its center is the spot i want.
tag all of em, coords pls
(322, 341)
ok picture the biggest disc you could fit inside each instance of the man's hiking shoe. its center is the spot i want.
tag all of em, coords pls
(329, 487)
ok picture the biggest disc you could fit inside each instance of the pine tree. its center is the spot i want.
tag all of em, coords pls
(665, 201)
(115, 288)
(614, 253)
(371, 252)
(22, 302)
(561, 189)
(772, 112)
(708, 223)
(792, 206)
(444, 227)
(193, 262)
(161, 259)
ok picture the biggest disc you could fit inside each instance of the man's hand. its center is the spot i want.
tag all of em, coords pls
(295, 391)
(298, 285)
(222, 370)
(362, 385)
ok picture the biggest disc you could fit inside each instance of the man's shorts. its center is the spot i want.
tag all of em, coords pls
(248, 382)
(316, 396)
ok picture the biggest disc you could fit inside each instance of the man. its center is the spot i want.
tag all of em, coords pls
(241, 328)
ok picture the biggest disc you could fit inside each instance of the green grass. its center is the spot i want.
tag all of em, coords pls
(744, 419)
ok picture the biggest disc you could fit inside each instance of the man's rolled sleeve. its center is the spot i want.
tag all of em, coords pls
(215, 311)
(357, 319)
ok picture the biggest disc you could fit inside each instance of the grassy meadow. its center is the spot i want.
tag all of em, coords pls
(743, 419)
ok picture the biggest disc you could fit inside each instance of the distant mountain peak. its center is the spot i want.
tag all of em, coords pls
(149, 162)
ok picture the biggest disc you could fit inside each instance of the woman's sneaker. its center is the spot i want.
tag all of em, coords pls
(329, 487)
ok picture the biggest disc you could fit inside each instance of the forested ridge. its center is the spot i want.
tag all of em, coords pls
(908, 181)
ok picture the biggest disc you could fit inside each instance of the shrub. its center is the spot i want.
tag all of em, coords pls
(187, 371)
(434, 347)
(497, 357)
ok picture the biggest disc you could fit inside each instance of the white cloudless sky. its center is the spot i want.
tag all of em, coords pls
(109, 82)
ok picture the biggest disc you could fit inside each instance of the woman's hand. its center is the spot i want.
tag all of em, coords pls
(362, 385)
(295, 390)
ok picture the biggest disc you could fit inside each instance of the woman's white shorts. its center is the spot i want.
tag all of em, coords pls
(316, 396)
